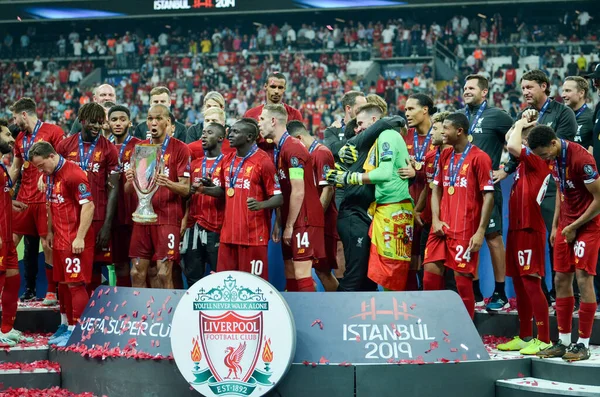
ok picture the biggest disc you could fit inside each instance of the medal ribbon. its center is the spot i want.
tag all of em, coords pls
(454, 170)
(212, 169)
(581, 110)
(50, 178)
(562, 167)
(420, 151)
(84, 158)
(164, 147)
(311, 148)
(27, 143)
(477, 116)
(233, 180)
(10, 182)
(543, 110)
(280, 146)
(122, 150)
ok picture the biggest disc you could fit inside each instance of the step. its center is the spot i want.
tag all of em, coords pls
(585, 372)
(530, 386)
(38, 375)
(33, 317)
(27, 352)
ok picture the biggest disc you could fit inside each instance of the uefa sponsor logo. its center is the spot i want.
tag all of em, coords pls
(233, 335)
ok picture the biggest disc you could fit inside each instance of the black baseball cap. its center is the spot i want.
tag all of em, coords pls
(596, 74)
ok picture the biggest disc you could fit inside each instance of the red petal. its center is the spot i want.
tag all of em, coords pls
(433, 345)
(108, 304)
(445, 332)
(323, 360)
(101, 310)
(454, 350)
(134, 314)
(358, 338)
(93, 304)
(124, 303)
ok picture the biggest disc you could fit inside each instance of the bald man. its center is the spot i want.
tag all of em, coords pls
(103, 93)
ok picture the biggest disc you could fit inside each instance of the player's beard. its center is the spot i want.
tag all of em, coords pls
(5, 148)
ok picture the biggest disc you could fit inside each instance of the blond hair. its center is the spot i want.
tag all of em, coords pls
(215, 96)
(379, 101)
(278, 111)
(439, 117)
(218, 112)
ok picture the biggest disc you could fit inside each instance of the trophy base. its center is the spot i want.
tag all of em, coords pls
(144, 218)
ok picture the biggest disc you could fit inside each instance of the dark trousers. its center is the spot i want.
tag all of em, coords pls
(354, 234)
(201, 248)
(30, 260)
(548, 215)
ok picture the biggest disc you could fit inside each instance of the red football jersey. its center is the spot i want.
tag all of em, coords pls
(69, 189)
(580, 170)
(420, 179)
(257, 180)
(462, 210)
(293, 113)
(28, 192)
(197, 152)
(103, 162)
(127, 202)
(429, 169)
(293, 154)
(323, 161)
(205, 210)
(528, 190)
(166, 204)
(5, 205)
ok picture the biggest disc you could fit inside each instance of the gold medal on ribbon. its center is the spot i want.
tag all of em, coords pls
(451, 190)
(470, 138)
(26, 164)
(562, 197)
(431, 185)
(230, 192)
(418, 165)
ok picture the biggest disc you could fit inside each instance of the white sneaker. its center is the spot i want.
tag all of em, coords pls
(17, 336)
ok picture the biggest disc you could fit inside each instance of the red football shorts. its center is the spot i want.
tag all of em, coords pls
(525, 252)
(8, 255)
(580, 254)
(253, 259)
(102, 255)
(452, 252)
(31, 222)
(329, 262)
(73, 268)
(307, 243)
(121, 239)
(155, 242)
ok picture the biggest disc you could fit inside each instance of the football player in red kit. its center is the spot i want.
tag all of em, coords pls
(120, 124)
(575, 232)
(70, 235)
(526, 242)
(461, 204)
(322, 162)
(98, 158)
(302, 213)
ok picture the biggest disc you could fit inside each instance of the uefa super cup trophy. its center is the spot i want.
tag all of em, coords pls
(147, 163)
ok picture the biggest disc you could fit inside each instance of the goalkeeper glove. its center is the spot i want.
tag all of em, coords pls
(348, 154)
(343, 178)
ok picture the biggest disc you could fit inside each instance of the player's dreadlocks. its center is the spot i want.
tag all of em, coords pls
(91, 112)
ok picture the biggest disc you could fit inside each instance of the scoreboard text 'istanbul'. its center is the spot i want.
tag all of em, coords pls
(191, 4)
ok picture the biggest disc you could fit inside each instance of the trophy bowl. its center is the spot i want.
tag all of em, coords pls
(147, 163)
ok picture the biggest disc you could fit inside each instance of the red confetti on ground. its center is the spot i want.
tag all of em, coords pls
(344, 364)
(30, 367)
(93, 304)
(314, 365)
(412, 307)
(323, 360)
(446, 340)
(317, 321)
(104, 352)
(115, 289)
(520, 375)
(170, 310)
(492, 341)
(454, 350)
(445, 332)
(305, 363)
(123, 304)
(53, 392)
(144, 317)
(101, 310)
(136, 293)
(444, 360)
(570, 388)
(108, 304)
(358, 338)
(134, 314)
(157, 343)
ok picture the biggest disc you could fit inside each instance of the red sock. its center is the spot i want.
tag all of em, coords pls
(464, 285)
(539, 305)
(291, 285)
(95, 283)
(411, 281)
(124, 281)
(587, 311)
(79, 298)
(50, 279)
(524, 309)
(306, 285)
(10, 298)
(432, 282)
(66, 303)
(564, 314)
(2, 281)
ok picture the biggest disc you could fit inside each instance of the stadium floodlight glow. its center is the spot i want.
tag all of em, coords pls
(69, 13)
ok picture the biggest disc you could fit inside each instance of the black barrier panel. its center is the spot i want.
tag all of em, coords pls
(341, 327)
(128, 317)
(369, 328)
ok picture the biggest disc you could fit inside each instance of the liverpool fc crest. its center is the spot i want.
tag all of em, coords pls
(228, 336)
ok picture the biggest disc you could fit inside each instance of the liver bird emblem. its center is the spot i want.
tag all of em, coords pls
(233, 358)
